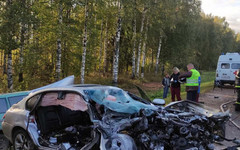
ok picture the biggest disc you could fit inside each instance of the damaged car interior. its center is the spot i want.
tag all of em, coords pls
(63, 120)
(109, 118)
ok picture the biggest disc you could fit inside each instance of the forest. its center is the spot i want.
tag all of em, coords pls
(42, 41)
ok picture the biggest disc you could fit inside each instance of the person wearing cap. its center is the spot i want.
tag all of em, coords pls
(192, 83)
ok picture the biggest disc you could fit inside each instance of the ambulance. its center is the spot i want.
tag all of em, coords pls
(227, 66)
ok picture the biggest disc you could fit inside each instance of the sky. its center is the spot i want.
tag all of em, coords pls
(230, 9)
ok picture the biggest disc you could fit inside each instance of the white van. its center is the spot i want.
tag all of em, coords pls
(227, 65)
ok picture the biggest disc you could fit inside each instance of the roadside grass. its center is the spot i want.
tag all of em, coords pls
(207, 84)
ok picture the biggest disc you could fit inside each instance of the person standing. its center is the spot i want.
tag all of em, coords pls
(237, 86)
(175, 85)
(166, 85)
(192, 82)
(198, 92)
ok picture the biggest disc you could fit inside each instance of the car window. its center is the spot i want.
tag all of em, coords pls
(3, 105)
(225, 65)
(32, 102)
(15, 99)
(235, 66)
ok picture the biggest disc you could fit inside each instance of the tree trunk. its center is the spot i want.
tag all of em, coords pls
(144, 51)
(9, 70)
(84, 43)
(158, 54)
(134, 41)
(105, 50)
(22, 44)
(59, 44)
(5, 62)
(140, 42)
(117, 44)
(100, 50)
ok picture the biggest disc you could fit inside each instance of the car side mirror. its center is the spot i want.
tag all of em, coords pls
(159, 101)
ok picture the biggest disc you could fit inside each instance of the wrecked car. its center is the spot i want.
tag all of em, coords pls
(108, 118)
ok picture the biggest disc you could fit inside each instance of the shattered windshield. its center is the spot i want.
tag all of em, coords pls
(116, 100)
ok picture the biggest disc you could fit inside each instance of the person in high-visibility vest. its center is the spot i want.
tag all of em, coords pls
(192, 82)
(237, 86)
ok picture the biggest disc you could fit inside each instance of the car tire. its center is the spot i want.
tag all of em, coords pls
(22, 141)
(4, 143)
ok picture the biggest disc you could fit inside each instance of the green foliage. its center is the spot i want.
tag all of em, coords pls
(187, 36)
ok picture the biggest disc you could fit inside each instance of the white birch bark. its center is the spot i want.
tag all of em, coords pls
(117, 44)
(158, 54)
(84, 43)
(59, 45)
(9, 71)
(134, 42)
(144, 51)
(140, 42)
(9, 61)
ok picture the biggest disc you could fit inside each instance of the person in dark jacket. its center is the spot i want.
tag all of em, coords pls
(175, 84)
(192, 82)
(166, 85)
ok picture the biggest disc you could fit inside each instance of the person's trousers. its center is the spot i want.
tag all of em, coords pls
(197, 97)
(165, 91)
(238, 94)
(192, 95)
(175, 91)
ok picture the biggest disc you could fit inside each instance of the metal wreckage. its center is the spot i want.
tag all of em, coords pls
(108, 118)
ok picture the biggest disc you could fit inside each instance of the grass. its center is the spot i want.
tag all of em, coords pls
(206, 85)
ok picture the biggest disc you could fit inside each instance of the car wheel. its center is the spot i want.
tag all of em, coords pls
(22, 141)
(4, 143)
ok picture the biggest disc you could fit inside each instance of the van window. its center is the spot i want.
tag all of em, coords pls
(235, 66)
(15, 99)
(3, 105)
(225, 65)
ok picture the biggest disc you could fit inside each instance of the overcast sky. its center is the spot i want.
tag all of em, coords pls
(230, 9)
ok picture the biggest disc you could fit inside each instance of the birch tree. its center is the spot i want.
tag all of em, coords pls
(117, 45)
(105, 50)
(59, 42)
(100, 50)
(22, 38)
(140, 41)
(144, 50)
(134, 40)
(9, 42)
(158, 54)
(9, 70)
(84, 43)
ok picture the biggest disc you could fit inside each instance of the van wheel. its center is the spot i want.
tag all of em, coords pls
(22, 141)
(4, 143)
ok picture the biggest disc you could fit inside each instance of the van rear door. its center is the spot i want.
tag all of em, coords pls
(234, 67)
(224, 71)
